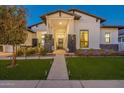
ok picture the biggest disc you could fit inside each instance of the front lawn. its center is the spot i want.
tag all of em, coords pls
(34, 69)
(96, 68)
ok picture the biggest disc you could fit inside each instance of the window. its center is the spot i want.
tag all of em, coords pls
(42, 39)
(119, 39)
(107, 37)
(122, 39)
(84, 39)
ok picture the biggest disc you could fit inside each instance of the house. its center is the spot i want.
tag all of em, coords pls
(28, 42)
(121, 35)
(71, 30)
(121, 40)
(74, 29)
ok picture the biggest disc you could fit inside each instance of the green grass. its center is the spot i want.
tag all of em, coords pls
(25, 70)
(96, 68)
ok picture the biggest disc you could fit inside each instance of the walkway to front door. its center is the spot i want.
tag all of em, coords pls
(59, 51)
(58, 70)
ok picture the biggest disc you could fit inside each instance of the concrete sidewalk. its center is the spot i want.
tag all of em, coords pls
(61, 83)
(58, 69)
(31, 57)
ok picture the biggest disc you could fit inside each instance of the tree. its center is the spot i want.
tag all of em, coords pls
(12, 27)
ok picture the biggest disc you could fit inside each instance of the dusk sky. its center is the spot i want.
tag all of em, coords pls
(114, 15)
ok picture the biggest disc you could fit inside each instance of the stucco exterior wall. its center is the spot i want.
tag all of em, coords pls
(30, 36)
(39, 35)
(113, 35)
(92, 25)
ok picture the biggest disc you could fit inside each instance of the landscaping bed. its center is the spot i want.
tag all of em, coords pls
(33, 51)
(95, 68)
(98, 52)
(34, 69)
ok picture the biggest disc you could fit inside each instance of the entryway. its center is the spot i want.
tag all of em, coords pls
(60, 43)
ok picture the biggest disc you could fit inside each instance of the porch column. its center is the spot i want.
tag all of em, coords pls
(49, 42)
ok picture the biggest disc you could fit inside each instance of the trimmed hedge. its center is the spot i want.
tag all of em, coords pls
(31, 51)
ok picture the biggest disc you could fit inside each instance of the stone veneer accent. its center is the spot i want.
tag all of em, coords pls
(49, 42)
(109, 46)
(72, 43)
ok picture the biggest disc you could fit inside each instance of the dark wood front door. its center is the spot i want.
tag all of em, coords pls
(60, 43)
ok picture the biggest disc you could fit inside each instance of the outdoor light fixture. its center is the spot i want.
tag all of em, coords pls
(60, 36)
(60, 23)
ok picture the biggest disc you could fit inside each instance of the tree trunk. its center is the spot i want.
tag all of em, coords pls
(13, 63)
(14, 57)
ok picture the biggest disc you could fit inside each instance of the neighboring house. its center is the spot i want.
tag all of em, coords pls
(28, 42)
(121, 40)
(121, 35)
(30, 36)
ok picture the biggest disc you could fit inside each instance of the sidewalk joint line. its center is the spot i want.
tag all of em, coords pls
(81, 84)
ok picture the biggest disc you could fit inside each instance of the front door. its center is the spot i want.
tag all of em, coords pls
(60, 43)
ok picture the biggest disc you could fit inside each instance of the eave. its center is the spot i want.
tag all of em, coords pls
(113, 26)
(92, 15)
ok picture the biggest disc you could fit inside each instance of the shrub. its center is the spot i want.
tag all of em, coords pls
(120, 53)
(90, 52)
(44, 52)
(85, 52)
(102, 52)
(31, 51)
(20, 52)
(79, 52)
(110, 52)
(1, 48)
(98, 52)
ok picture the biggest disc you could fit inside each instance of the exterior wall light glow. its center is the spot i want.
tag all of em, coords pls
(60, 23)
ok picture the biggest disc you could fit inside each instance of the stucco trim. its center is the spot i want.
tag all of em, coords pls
(77, 17)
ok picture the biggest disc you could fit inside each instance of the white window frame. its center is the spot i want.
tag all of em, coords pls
(107, 37)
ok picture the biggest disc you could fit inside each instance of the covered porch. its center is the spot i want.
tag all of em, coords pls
(60, 28)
